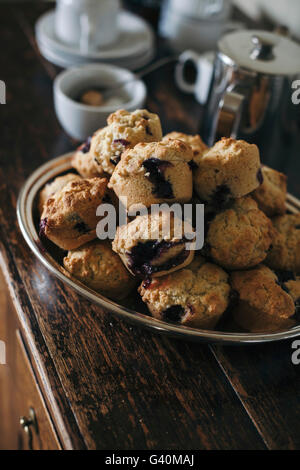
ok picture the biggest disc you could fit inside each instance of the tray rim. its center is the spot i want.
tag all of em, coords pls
(32, 185)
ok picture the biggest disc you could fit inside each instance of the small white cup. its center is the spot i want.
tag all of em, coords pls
(204, 64)
(204, 9)
(81, 120)
(89, 24)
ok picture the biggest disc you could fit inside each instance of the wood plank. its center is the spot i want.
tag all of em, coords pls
(268, 385)
(127, 388)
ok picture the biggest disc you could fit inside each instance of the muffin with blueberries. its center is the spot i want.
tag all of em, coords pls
(97, 266)
(155, 244)
(69, 217)
(84, 162)
(229, 169)
(195, 296)
(271, 194)
(285, 251)
(56, 185)
(263, 301)
(154, 173)
(194, 141)
(240, 236)
(124, 130)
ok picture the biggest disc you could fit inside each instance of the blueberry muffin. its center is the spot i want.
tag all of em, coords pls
(153, 173)
(285, 252)
(196, 296)
(69, 217)
(154, 244)
(271, 194)
(240, 236)
(124, 131)
(194, 141)
(229, 169)
(97, 266)
(56, 185)
(84, 162)
(263, 305)
(291, 285)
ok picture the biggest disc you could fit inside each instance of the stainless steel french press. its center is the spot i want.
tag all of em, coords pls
(255, 75)
(247, 88)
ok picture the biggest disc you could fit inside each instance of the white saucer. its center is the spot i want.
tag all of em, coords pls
(135, 38)
(66, 61)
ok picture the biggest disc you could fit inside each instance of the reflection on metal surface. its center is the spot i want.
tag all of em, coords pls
(229, 115)
(263, 49)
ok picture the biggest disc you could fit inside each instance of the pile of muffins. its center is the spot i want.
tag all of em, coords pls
(248, 267)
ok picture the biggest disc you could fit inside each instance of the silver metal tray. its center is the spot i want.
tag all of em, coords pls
(26, 208)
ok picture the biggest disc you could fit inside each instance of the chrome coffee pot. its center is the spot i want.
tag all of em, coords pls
(251, 94)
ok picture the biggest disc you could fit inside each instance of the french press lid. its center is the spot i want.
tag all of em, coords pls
(261, 51)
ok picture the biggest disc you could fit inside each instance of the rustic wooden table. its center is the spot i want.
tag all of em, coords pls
(115, 386)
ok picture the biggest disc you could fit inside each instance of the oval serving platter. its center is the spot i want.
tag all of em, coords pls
(26, 210)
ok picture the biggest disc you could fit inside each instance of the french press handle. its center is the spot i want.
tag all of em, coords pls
(231, 105)
(229, 115)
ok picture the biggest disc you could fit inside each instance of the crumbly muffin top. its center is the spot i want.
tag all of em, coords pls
(124, 130)
(97, 265)
(230, 166)
(240, 236)
(56, 185)
(85, 164)
(285, 252)
(260, 288)
(76, 201)
(202, 288)
(271, 194)
(228, 148)
(194, 141)
(173, 151)
(293, 288)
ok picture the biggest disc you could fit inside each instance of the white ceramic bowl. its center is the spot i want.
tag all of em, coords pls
(80, 120)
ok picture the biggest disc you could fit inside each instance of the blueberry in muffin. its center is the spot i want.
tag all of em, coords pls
(285, 252)
(195, 296)
(97, 266)
(153, 173)
(229, 169)
(271, 194)
(240, 237)
(69, 217)
(263, 304)
(56, 185)
(154, 244)
(124, 130)
(84, 162)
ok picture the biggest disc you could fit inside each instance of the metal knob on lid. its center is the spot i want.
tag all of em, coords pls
(261, 52)
(263, 49)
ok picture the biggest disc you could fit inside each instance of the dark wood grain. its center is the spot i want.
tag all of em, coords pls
(115, 386)
(268, 385)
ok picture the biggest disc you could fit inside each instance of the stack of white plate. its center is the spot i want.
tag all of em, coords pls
(133, 48)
